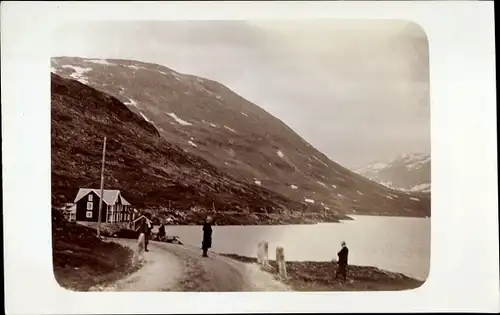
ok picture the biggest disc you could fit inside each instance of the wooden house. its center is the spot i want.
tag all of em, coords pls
(115, 208)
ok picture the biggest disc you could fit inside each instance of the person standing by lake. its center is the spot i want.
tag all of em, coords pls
(161, 232)
(207, 236)
(343, 258)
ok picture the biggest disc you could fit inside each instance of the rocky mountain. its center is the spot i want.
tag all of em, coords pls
(407, 172)
(225, 134)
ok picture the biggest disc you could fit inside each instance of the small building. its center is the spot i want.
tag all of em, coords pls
(69, 212)
(138, 221)
(115, 208)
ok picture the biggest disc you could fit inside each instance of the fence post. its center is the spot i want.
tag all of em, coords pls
(263, 254)
(280, 261)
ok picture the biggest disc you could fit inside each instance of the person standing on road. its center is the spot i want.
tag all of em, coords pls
(207, 236)
(161, 232)
(342, 268)
(146, 229)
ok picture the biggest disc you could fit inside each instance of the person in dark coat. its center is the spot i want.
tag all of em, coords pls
(207, 236)
(343, 257)
(161, 233)
(146, 229)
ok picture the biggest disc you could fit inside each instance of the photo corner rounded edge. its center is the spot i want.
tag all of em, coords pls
(423, 283)
(55, 283)
(415, 28)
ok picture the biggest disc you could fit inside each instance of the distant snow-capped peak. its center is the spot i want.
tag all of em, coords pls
(406, 172)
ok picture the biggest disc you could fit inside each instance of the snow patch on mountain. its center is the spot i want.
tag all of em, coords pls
(146, 118)
(136, 67)
(209, 123)
(320, 161)
(192, 143)
(309, 200)
(131, 102)
(293, 187)
(78, 73)
(230, 129)
(176, 76)
(280, 154)
(179, 120)
(100, 62)
(421, 187)
(321, 183)
(376, 166)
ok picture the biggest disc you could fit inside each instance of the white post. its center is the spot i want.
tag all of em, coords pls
(260, 257)
(263, 254)
(280, 261)
(102, 189)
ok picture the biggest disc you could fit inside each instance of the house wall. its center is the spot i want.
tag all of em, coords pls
(81, 209)
(115, 212)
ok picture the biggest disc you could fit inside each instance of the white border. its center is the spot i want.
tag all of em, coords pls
(464, 264)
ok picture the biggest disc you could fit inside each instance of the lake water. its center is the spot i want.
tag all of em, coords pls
(393, 243)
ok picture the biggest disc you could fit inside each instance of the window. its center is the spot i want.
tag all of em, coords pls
(89, 214)
(90, 197)
(90, 206)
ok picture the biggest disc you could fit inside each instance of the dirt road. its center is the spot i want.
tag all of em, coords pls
(171, 267)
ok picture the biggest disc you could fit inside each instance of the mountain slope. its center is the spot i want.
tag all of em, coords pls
(408, 172)
(151, 172)
(208, 120)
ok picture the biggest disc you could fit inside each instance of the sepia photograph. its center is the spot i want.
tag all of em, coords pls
(240, 155)
(249, 157)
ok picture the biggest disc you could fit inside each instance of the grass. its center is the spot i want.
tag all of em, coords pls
(320, 276)
(81, 260)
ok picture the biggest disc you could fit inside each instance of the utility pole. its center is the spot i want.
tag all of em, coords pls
(102, 189)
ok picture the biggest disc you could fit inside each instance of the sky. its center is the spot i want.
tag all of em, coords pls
(357, 90)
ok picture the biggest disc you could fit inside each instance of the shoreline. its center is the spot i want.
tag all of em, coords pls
(320, 276)
(244, 218)
(179, 218)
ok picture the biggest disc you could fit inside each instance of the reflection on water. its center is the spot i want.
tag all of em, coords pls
(392, 243)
